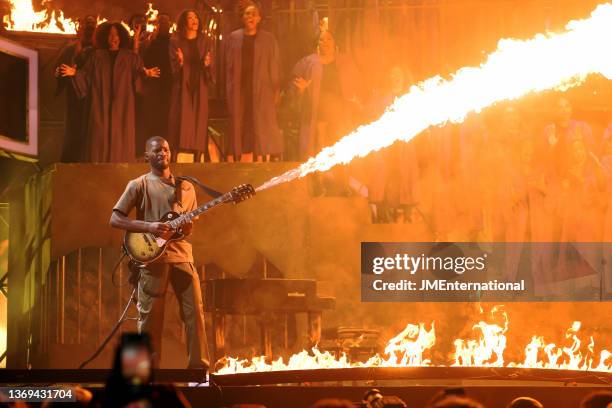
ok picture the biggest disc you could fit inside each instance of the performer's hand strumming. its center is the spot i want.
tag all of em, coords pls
(159, 227)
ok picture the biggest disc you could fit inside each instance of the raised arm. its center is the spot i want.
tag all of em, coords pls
(81, 78)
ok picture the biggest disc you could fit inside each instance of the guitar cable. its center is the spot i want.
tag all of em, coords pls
(122, 318)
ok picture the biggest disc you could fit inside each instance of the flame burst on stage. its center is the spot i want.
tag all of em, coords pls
(412, 347)
(515, 69)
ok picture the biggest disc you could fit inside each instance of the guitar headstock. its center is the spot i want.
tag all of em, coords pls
(241, 193)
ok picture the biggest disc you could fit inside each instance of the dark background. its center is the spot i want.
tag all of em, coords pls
(13, 97)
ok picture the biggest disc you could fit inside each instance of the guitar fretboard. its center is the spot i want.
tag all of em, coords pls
(187, 217)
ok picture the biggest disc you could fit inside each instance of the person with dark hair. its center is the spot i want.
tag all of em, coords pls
(525, 402)
(155, 97)
(333, 403)
(153, 195)
(253, 88)
(130, 381)
(454, 401)
(446, 393)
(110, 79)
(191, 62)
(75, 55)
(597, 399)
(328, 82)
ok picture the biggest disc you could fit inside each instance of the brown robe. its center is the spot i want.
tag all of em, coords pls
(111, 125)
(266, 84)
(188, 119)
(311, 68)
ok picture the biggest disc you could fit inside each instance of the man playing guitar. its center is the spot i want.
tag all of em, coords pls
(153, 195)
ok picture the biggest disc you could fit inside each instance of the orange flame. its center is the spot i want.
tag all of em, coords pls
(492, 343)
(151, 17)
(22, 17)
(409, 347)
(516, 68)
(566, 358)
(404, 350)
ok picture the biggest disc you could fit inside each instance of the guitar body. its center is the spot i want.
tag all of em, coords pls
(145, 247)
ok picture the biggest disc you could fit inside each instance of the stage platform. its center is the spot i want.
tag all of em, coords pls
(494, 387)
(63, 298)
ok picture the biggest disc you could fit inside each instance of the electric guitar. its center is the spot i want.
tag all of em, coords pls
(145, 247)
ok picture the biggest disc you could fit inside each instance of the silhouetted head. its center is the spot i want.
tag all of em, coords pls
(525, 402)
(599, 399)
(87, 28)
(163, 24)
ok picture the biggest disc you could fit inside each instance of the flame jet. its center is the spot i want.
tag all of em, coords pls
(518, 67)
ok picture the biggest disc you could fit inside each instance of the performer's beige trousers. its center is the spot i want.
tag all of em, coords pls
(152, 287)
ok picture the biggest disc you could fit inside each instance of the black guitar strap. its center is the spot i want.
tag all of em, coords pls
(210, 191)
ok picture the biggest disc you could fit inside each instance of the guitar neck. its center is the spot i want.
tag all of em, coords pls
(185, 218)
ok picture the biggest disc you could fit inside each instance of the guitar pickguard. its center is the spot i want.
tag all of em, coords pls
(160, 241)
(142, 247)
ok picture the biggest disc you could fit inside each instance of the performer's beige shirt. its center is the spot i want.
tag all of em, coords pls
(152, 198)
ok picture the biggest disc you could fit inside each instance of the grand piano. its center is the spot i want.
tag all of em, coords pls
(263, 298)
